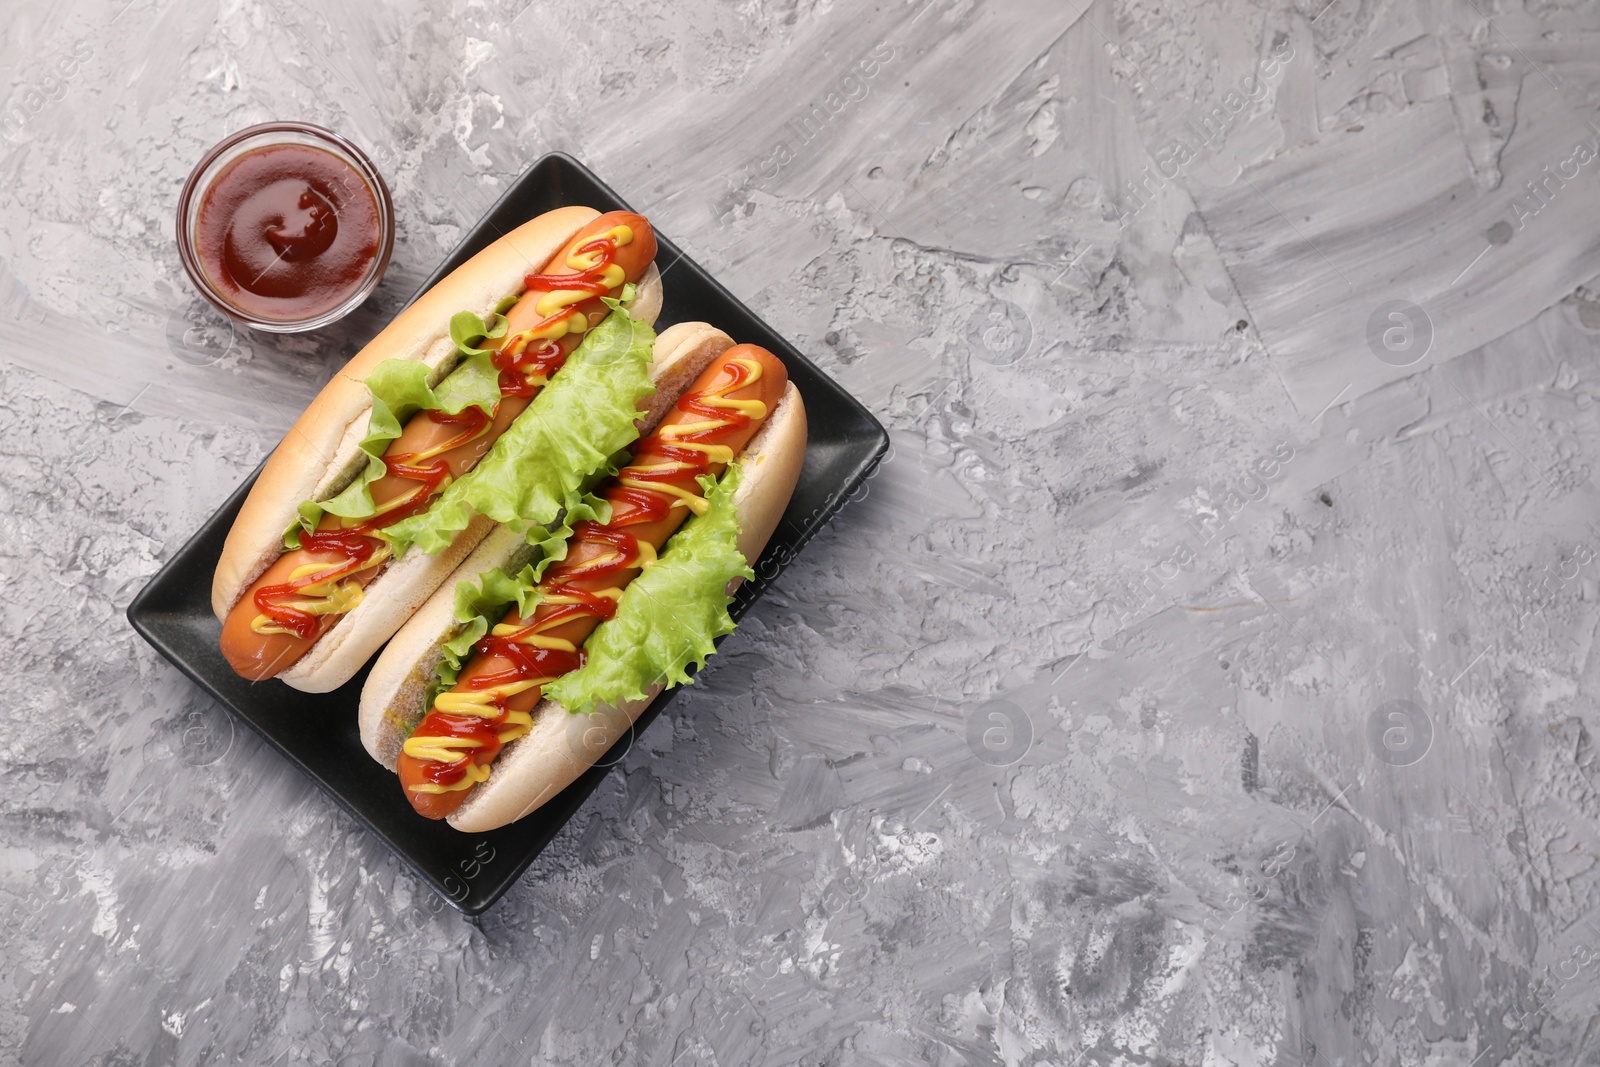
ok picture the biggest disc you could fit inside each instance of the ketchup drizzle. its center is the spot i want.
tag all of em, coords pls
(518, 369)
(356, 549)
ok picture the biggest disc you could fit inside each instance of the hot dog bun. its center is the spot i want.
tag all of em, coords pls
(532, 770)
(320, 454)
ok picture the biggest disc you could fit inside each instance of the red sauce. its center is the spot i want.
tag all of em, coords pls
(287, 232)
(589, 281)
(519, 369)
(521, 364)
(484, 731)
(528, 662)
(430, 474)
(352, 545)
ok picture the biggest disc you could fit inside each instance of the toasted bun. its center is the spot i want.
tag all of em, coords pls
(320, 454)
(391, 699)
(560, 747)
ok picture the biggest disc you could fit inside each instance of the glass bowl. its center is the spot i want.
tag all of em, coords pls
(252, 139)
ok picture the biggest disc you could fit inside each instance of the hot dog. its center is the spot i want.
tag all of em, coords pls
(485, 749)
(378, 499)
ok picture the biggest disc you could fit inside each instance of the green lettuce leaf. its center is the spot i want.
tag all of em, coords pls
(400, 389)
(669, 615)
(466, 329)
(545, 460)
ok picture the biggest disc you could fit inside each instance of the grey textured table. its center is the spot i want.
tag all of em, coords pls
(1207, 677)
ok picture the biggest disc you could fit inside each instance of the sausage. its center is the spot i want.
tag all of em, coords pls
(257, 656)
(648, 504)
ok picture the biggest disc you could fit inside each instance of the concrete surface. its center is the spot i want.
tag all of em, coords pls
(1208, 677)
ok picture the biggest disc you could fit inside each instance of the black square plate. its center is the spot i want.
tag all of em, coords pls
(173, 612)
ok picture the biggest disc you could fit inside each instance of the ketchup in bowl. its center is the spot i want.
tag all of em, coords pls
(285, 226)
